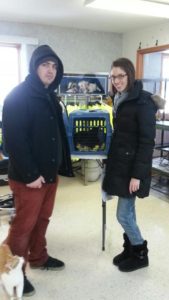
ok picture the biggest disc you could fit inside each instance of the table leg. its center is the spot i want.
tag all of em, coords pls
(103, 224)
(85, 175)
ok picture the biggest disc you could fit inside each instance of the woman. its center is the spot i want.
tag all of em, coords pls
(128, 167)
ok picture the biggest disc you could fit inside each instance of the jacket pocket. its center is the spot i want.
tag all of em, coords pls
(126, 155)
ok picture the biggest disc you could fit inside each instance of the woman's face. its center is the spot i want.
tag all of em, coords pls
(119, 79)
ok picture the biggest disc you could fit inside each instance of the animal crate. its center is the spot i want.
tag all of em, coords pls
(89, 132)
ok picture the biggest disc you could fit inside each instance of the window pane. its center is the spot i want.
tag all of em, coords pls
(9, 71)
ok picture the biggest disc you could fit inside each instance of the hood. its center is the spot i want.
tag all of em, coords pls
(134, 92)
(159, 101)
(40, 54)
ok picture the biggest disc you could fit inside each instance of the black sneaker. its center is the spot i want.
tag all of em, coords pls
(28, 289)
(52, 264)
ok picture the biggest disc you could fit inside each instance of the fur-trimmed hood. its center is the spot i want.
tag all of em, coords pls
(159, 101)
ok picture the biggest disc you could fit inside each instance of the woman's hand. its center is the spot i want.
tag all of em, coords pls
(134, 185)
(37, 184)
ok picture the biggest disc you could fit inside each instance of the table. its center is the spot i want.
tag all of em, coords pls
(164, 125)
(160, 165)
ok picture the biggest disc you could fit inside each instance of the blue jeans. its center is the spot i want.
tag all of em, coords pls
(126, 216)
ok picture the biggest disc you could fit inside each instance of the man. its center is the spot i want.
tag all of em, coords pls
(35, 140)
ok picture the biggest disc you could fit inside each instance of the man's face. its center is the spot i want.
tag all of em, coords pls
(47, 72)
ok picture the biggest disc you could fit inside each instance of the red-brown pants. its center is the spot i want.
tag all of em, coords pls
(34, 207)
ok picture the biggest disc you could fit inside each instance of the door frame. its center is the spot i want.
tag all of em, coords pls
(140, 54)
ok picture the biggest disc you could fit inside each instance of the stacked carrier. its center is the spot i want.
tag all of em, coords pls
(88, 120)
(89, 132)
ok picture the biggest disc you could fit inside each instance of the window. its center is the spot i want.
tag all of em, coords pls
(9, 70)
(153, 68)
(165, 74)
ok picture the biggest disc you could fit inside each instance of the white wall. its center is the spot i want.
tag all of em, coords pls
(89, 51)
(81, 50)
(147, 37)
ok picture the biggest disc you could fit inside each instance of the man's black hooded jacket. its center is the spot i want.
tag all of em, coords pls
(33, 128)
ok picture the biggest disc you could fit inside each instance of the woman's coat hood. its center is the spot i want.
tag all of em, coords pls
(159, 101)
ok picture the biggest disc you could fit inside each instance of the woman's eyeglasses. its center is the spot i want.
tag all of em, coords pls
(119, 77)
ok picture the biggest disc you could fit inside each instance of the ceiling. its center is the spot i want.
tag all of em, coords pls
(73, 13)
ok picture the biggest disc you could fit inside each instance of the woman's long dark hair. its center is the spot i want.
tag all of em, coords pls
(128, 67)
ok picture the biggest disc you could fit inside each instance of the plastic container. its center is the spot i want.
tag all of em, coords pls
(89, 132)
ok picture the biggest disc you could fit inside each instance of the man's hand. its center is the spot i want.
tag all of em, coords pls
(37, 184)
(134, 185)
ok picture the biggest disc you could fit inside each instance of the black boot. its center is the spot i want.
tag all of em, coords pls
(138, 259)
(28, 288)
(126, 252)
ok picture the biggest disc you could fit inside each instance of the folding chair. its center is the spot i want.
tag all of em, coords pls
(7, 206)
(6, 201)
(3, 170)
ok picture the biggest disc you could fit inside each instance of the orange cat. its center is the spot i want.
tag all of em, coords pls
(11, 274)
